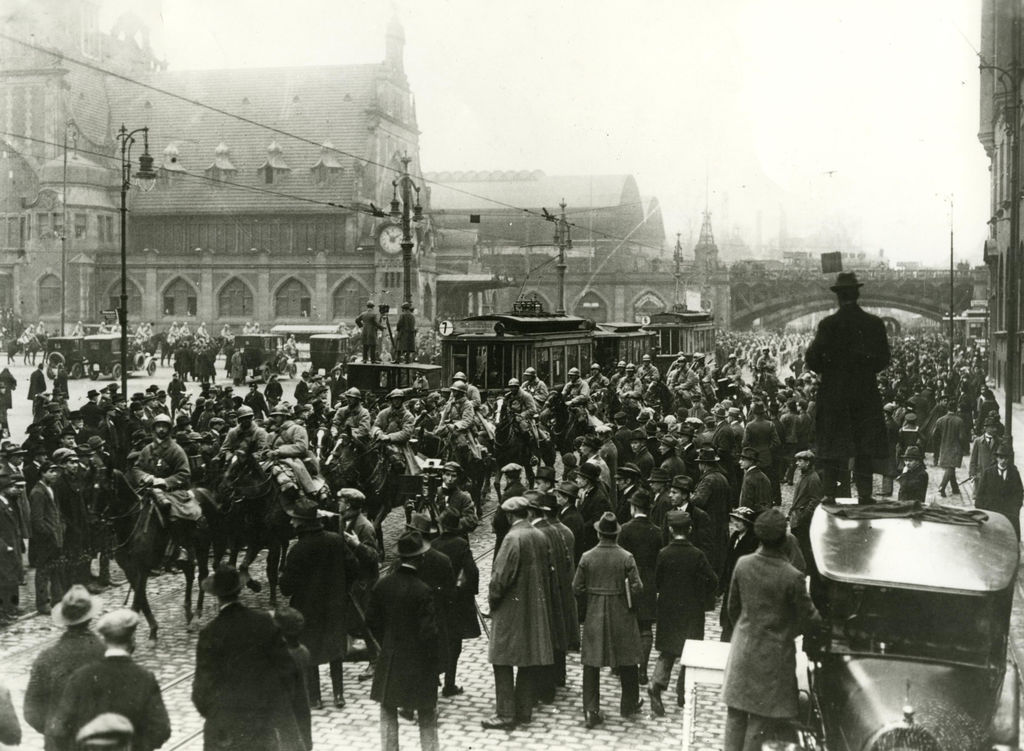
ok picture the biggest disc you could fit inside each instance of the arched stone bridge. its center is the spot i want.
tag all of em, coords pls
(773, 299)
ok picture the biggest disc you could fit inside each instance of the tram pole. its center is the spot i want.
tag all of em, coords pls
(563, 240)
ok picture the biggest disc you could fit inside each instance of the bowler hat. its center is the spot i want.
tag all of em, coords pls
(770, 525)
(846, 280)
(607, 524)
(1004, 449)
(225, 581)
(659, 475)
(548, 502)
(545, 473)
(641, 500)
(591, 471)
(77, 606)
(708, 455)
(913, 452)
(749, 453)
(412, 544)
(567, 488)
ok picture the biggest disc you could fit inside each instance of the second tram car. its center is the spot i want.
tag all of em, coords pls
(490, 349)
(680, 330)
(617, 341)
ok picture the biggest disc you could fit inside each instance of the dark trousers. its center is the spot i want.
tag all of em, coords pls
(745, 731)
(370, 351)
(949, 478)
(551, 677)
(663, 675)
(629, 679)
(337, 680)
(835, 478)
(50, 583)
(454, 651)
(772, 471)
(646, 642)
(425, 716)
(515, 691)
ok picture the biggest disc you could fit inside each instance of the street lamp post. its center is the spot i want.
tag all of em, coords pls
(400, 214)
(145, 179)
(563, 239)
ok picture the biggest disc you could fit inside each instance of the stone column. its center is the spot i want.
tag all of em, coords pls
(264, 306)
(152, 300)
(206, 308)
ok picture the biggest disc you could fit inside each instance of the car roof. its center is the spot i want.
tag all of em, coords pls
(915, 554)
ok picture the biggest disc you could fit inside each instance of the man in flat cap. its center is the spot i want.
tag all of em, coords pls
(683, 584)
(849, 349)
(114, 684)
(769, 604)
(521, 617)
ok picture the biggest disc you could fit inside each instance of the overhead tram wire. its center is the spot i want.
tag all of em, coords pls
(241, 118)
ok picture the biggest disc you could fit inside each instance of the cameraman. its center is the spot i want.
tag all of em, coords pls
(369, 323)
(451, 497)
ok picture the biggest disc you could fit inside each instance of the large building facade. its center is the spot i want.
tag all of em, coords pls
(266, 178)
(1002, 71)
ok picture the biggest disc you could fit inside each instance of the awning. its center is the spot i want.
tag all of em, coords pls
(474, 282)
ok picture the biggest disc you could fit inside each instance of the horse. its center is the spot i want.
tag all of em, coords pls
(564, 422)
(511, 444)
(29, 347)
(141, 539)
(369, 467)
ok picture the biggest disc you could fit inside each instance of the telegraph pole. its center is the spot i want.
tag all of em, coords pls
(677, 257)
(563, 239)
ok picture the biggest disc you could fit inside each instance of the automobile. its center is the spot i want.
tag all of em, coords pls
(379, 378)
(262, 353)
(326, 350)
(913, 652)
(68, 351)
(103, 354)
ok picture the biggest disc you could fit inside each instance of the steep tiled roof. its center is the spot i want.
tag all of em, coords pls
(87, 103)
(529, 190)
(318, 103)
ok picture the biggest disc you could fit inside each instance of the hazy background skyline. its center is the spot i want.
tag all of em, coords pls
(849, 122)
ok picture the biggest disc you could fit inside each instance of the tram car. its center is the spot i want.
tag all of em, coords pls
(376, 379)
(681, 330)
(490, 349)
(617, 341)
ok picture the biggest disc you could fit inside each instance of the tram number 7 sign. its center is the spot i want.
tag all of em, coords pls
(446, 328)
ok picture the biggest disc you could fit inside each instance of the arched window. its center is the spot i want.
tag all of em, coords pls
(235, 300)
(134, 298)
(293, 300)
(49, 295)
(349, 299)
(647, 305)
(180, 299)
(592, 306)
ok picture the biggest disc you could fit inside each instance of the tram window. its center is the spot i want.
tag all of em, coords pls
(520, 362)
(460, 358)
(495, 366)
(544, 364)
(584, 365)
(557, 365)
(572, 353)
(478, 365)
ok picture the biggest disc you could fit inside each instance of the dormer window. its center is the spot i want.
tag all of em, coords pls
(170, 166)
(327, 169)
(221, 170)
(274, 168)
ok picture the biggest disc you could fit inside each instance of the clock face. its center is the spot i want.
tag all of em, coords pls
(390, 239)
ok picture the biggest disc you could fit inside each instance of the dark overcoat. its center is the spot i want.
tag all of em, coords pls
(740, 544)
(10, 547)
(914, 484)
(642, 538)
(402, 616)
(243, 684)
(849, 348)
(611, 635)
(405, 329)
(1004, 496)
(806, 496)
(591, 506)
(683, 580)
(114, 684)
(714, 496)
(319, 571)
(951, 439)
(463, 622)
(519, 599)
(76, 647)
(566, 623)
(47, 527)
(756, 490)
(769, 604)
(435, 570)
(573, 521)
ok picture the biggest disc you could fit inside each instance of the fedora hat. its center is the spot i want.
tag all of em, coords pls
(913, 452)
(567, 488)
(1004, 449)
(708, 455)
(659, 475)
(628, 470)
(77, 606)
(591, 471)
(412, 544)
(421, 523)
(224, 582)
(607, 524)
(641, 500)
(545, 473)
(749, 453)
(682, 482)
(846, 280)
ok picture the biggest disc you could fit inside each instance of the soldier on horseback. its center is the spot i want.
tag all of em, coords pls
(245, 439)
(576, 393)
(534, 386)
(289, 445)
(597, 381)
(352, 419)
(647, 370)
(523, 408)
(630, 388)
(163, 468)
(394, 427)
(458, 418)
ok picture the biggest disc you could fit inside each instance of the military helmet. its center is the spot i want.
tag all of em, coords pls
(574, 371)
(530, 371)
(513, 382)
(245, 411)
(353, 393)
(162, 419)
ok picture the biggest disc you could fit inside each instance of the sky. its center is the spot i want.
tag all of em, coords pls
(796, 116)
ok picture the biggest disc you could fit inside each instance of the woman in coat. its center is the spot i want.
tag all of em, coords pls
(461, 616)
(770, 606)
(609, 577)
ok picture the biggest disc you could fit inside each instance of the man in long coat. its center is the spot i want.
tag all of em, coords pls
(401, 613)
(770, 606)
(807, 496)
(47, 542)
(642, 538)
(849, 348)
(683, 583)
(462, 618)
(521, 618)
(756, 490)
(713, 495)
(405, 328)
(999, 487)
(609, 578)
(951, 438)
(244, 675)
(369, 324)
(319, 572)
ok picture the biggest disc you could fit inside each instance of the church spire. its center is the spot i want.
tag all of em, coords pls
(394, 45)
(706, 252)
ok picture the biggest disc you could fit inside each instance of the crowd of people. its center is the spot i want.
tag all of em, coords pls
(666, 505)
